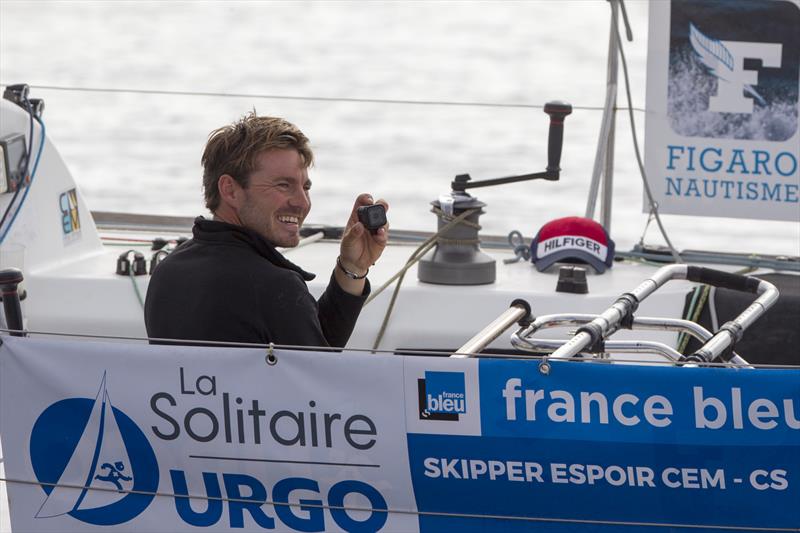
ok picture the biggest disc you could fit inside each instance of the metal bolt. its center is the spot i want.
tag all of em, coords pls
(544, 368)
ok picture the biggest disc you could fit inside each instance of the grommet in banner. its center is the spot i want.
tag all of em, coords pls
(271, 358)
(544, 367)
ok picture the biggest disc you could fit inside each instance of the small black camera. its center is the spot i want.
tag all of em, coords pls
(372, 216)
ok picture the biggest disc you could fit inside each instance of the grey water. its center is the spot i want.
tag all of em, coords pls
(140, 153)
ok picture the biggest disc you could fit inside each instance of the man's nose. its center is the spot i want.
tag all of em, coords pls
(301, 199)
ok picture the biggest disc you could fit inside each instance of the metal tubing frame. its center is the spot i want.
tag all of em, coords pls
(545, 346)
(608, 321)
(768, 295)
(484, 337)
(522, 341)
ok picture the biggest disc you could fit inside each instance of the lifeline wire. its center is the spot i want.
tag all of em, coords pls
(306, 504)
(399, 352)
(307, 98)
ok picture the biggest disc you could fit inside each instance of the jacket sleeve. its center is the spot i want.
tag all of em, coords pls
(338, 312)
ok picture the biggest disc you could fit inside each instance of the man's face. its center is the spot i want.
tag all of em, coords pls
(277, 198)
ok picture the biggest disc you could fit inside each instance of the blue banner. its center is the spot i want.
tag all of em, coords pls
(606, 445)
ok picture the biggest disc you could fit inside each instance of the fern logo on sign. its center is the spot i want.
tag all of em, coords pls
(733, 69)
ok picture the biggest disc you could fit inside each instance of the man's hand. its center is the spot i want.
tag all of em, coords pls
(360, 249)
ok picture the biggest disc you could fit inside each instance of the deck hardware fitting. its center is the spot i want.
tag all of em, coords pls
(271, 358)
(544, 367)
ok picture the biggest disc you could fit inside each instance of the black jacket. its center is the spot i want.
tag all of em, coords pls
(229, 284)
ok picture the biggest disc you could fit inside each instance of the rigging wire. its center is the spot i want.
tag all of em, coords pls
(162, 92)
(653, 204)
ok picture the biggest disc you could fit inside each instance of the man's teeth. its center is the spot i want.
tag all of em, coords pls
(289, 220)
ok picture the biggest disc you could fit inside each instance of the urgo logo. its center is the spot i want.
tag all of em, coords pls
(92, 461)
(442, 395)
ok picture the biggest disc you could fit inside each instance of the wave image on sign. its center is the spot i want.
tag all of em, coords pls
(734, 69)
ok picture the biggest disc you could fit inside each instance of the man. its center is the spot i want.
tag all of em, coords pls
(229, 283)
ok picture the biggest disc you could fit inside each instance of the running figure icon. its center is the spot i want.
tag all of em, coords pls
(114, 474)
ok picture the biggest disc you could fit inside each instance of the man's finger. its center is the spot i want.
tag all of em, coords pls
(361, 200)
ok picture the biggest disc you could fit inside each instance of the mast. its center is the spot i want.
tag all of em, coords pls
(604, 157)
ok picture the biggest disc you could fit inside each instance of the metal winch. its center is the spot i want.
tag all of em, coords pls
(457, 258)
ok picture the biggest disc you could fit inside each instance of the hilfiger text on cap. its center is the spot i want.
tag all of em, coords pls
(580, 243)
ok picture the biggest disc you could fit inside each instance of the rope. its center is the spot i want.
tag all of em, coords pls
(696, 306)
(305, 504)
(427, 244)
(441, 214)
(457, 242)
(418, 254)
(307, 98)
(521, 250)
(136, 288)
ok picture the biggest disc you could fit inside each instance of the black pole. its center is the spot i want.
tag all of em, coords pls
(10, 278)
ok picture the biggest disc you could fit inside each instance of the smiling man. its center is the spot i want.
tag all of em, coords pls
(229, 283)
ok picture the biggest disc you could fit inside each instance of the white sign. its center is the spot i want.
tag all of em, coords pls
(128, 421)
(722, 133)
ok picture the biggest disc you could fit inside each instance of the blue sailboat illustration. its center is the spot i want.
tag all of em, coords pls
(98, 472)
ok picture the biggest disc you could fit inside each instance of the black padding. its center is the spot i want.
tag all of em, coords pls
(718, 278)
(775, 337)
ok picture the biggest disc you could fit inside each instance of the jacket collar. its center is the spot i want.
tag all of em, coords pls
(218, 231)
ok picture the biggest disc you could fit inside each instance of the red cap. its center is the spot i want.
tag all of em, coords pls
(573, 239)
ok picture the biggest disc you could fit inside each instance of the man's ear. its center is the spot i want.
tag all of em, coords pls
(230, 192)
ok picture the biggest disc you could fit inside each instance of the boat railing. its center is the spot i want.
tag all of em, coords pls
(591, 337)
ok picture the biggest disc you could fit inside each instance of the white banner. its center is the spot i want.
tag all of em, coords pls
(722, 134)
(130, 420)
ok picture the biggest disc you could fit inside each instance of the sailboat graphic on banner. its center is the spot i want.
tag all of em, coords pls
(98, 472)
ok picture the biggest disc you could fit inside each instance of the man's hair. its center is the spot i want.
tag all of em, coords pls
(233, 149)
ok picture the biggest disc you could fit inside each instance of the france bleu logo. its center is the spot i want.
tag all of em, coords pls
(92, 461)
(442, 395)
